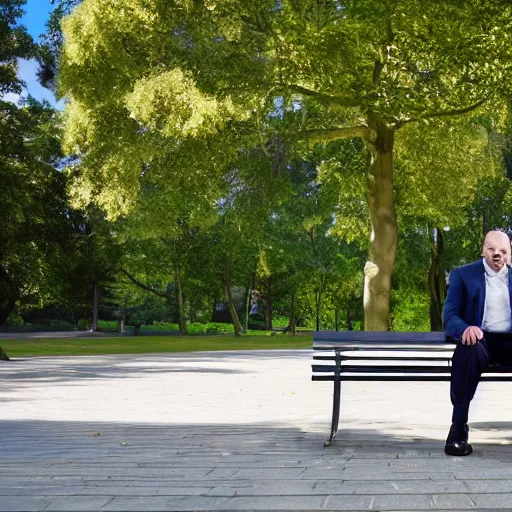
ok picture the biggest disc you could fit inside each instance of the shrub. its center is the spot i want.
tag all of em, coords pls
(280, 321)
(14, 320)
(110, 325)
(83, 323)
(161, 326)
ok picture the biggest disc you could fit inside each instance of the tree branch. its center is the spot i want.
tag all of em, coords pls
(142, 285)
(446, 113)
(323, 97)
(384, 52)
(341, 133)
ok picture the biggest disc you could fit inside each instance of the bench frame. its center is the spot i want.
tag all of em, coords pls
(351, 356)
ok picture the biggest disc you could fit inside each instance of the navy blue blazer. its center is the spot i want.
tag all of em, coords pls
(464, 305)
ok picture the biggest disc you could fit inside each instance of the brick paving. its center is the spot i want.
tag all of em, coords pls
(238, 431)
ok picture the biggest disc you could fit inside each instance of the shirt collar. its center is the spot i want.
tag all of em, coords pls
(492, 273)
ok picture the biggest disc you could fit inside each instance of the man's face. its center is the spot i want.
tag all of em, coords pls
(496, 250)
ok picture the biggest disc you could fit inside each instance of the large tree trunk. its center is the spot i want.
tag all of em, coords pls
(8, 295)
(248, 293)
(436, 279)
(3, 355)
(384, 231)
(229, 296)
(6, 307)
(318, 301)
(179, 300)
(95, 306)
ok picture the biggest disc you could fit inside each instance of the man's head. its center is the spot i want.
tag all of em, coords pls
(496, 250)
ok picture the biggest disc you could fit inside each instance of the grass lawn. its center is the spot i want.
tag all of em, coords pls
(147, 344)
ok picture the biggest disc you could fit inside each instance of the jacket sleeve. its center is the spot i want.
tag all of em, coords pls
(454, 324)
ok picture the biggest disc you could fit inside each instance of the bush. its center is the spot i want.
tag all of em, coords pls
(280, 321)
(203, 318)
(14, 320)
(218, 328)
(16, 323)
(83, 323)
(108, 325)
(60, 325)
(162, 326)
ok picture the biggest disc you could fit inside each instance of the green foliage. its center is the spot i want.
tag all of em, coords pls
(441, 167)
(84, 323)
(220, 69)
(108, 325)
(35, 223)
(410, 310)
(14, 43)
(194, 124)
(15, 320)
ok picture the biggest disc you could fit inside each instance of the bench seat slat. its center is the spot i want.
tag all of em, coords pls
(408, 378)
(384, 369)
(408, 357)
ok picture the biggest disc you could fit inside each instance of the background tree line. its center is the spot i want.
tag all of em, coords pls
(318, 152)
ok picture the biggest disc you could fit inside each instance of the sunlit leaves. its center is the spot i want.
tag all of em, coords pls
(439, 168)
(171, 103)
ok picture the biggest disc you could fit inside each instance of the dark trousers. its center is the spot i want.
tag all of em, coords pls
(468, 363)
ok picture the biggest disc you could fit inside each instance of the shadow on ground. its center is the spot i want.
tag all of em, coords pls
(148, 466)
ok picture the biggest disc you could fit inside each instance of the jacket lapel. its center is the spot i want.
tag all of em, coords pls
(481, 291)
(510, 288)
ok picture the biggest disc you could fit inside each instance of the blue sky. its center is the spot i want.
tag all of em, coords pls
(36, 15)
(34, 19)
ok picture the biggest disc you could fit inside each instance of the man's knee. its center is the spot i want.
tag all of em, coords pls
(471, 354)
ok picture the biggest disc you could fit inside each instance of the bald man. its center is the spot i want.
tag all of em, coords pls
(477, 314)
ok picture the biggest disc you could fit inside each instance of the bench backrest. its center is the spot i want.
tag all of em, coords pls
(368, 340)
(368, 355)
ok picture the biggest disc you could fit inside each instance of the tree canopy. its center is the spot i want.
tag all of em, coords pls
(161, 91)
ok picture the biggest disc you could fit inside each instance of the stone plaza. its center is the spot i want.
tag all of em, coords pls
(238, 431)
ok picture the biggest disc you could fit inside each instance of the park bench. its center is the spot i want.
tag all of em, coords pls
(385, 356)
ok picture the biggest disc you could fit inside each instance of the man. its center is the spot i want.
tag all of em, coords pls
(477, 313)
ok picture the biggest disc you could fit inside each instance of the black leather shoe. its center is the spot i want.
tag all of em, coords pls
(457, 441)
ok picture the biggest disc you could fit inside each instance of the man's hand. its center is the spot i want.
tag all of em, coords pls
(472, 335)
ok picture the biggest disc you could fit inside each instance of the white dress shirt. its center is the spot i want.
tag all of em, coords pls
(497, 301)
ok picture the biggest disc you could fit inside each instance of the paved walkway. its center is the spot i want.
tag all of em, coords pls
(237, 431)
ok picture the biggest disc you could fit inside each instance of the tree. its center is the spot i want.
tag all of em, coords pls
(363, 69)
(441, 170)
(14, 43)
(48, 52)
(33, 223)
(158, 234)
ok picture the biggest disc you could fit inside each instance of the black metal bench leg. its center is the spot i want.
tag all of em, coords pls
(335, 412)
